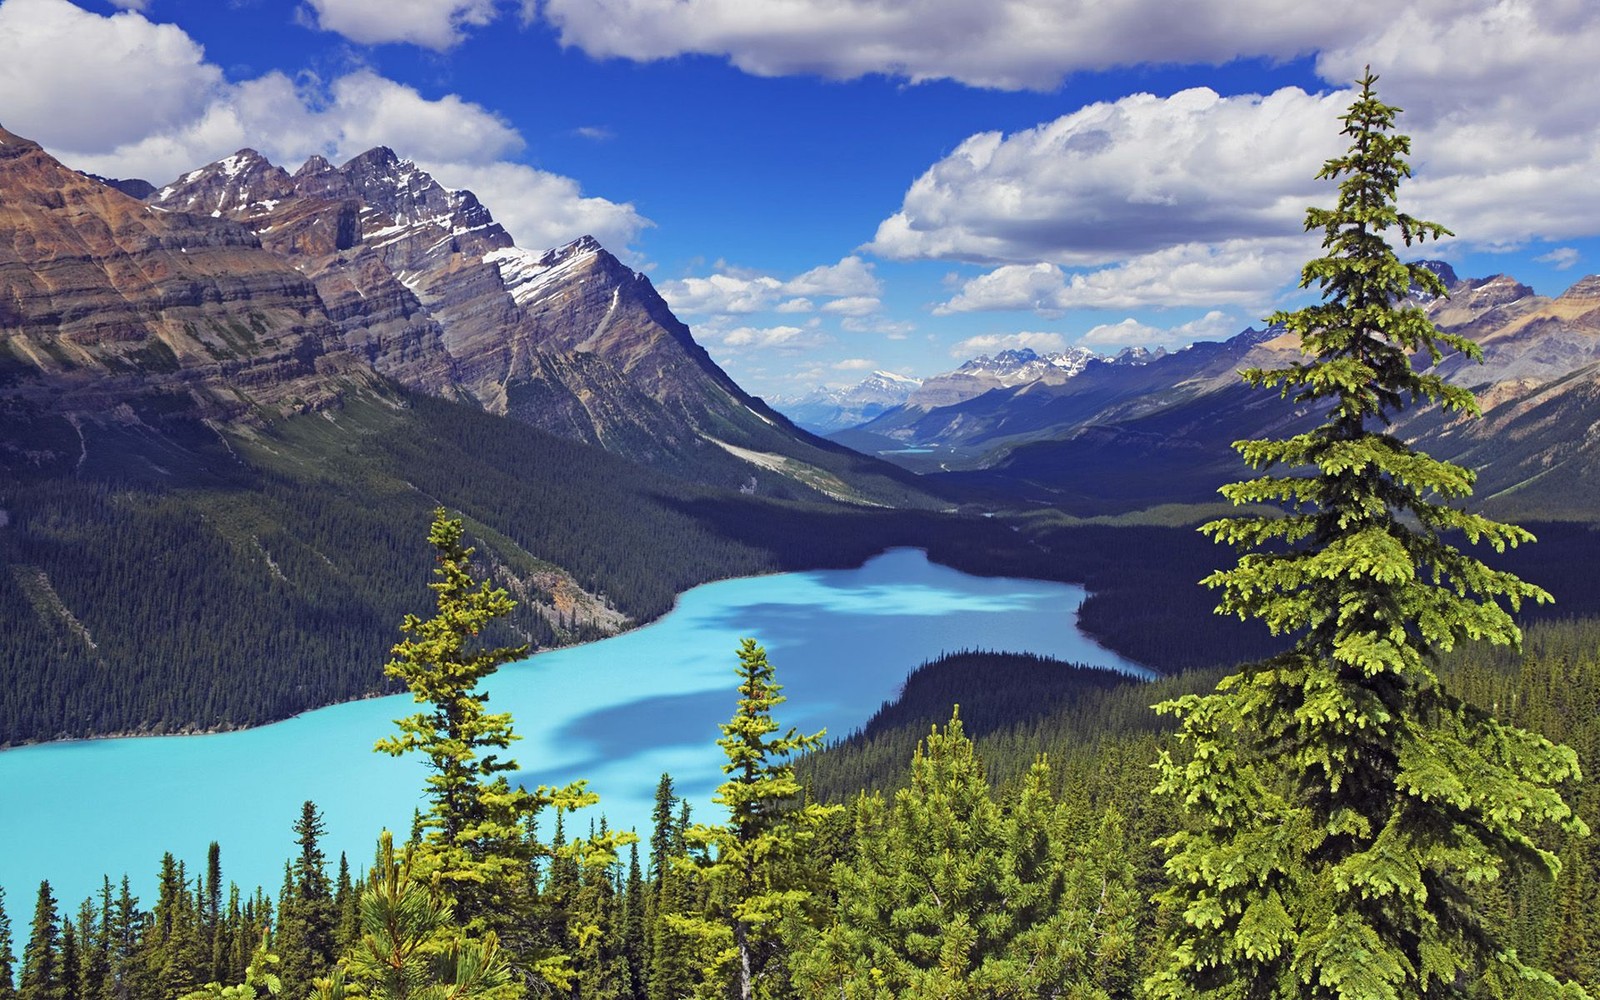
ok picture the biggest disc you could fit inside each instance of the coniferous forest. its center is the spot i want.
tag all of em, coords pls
(1385, 799)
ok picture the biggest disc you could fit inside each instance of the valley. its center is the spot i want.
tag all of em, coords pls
(232, 404)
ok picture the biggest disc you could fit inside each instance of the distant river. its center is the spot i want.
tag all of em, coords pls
(617, 712)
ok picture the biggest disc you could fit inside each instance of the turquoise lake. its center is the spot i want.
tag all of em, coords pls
(618, 712)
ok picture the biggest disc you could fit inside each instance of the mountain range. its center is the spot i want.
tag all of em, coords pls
(229, 404)
(827, 410)
(1112, 438)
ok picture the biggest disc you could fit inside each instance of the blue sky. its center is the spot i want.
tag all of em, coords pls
(826, 187)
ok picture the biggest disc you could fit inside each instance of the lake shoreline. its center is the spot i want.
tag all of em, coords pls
(633, 626)
(617, 713)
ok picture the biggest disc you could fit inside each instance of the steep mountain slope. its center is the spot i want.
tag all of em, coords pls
(429, 290)
(226, 415)
(117, 313)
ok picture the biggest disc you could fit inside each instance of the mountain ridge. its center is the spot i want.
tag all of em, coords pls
(1162, 432)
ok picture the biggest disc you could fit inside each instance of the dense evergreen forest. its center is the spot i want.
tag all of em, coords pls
(263, 584)
(632, 920)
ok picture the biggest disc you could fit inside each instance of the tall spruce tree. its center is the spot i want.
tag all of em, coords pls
(8, 958)
(472, 827)
(306, 915)
(754, 865)
(1344, 812)
(478, 839)
(41, 957)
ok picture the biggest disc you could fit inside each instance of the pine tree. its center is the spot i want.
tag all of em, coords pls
(1344, 812)
(71, 961)
(346, 902)
(662, 831)
(754, 865)
(41, 957)
(305, 945)
(477, 838)
(211, 913)
(8, 958)
(673, 964)
(410, 945)
(922, 907)
(94, 933)
(127, 979)
(635, 916)
(472, 827)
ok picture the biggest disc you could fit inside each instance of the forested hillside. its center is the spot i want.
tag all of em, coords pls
(1090, 812)
(252, 577)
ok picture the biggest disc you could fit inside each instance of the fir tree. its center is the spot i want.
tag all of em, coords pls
(472, 826)
(662, 831)
(673, 967)
(211, 913)
(410, 945)
(635, 916)
(477, 838)
(41, 957)
(754, 865)
(127, 979)
(1344, 812)
(8, 958)
(346, 902)
(71, 966)
(306, 911)
(94, 934)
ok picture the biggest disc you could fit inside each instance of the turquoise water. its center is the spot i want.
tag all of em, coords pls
(617, 712)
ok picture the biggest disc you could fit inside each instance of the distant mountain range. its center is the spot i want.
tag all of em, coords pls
(826, 411)
(823, 409)
(1110, 438)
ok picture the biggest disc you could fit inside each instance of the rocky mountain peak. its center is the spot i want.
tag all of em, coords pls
(1002, 361)
(12, 144)
(313, 166)
(105, 300)
(241, 186)
(1487, 293)
(1446, 273)
(1586, 289)
(1138, 355)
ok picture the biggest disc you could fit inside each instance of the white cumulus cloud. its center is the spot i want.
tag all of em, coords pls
(853, 305)
(1236, 272)
(1561, 258)
(990, 343)
(850, 286)
(432, 24)
(773, 338)
(1214, 325)
(185, 113)
(50, 91)
(1121, 178)
(1008, 44)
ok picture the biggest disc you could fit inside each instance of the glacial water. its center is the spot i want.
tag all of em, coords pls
(617, 712)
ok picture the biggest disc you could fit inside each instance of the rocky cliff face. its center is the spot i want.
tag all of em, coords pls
(114, 310)
(240, 292)
(427, 288)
